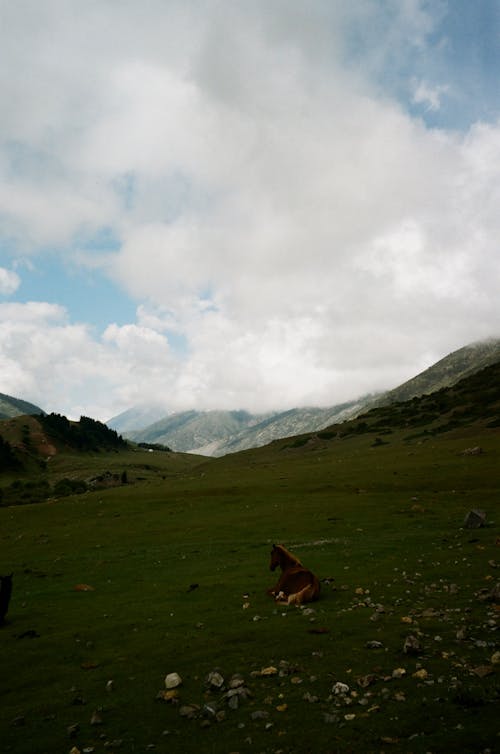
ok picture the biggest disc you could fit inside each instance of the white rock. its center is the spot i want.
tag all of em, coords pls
(172, 680)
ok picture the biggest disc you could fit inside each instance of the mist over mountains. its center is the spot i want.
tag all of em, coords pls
(215, 433)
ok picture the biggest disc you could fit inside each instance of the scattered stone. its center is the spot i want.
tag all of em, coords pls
(374, 645)
(340, 689)
(421, 674)
(483, 670)
(172, 680)
(214, 680)
(259, 714)
(109, 686)
(475, 519)
(495, 658)
(19, 721)
(366, 680)
(412, 646)
(83, 588)
(189, 710)
(168, 695)
(271, 670)
(398, 673)
(308, 697)
(96, 718)
(72, 730)
(236, 681)
(476, 451)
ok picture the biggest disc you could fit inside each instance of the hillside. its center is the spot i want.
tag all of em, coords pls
(447, 371)
(10, 407)
(215, 433)
(196, 431)
(400, 653)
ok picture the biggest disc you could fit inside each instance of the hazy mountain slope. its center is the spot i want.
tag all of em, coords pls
(137, 418)
(193, 430)
(293, 422)
(216, 433)
(447, 371)
(10, 407)
(472, 401)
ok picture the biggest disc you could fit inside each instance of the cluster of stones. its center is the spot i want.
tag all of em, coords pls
(219, 694)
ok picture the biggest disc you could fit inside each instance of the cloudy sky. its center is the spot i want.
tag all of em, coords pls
(243, 204)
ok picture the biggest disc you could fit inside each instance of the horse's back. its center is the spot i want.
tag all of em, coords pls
(298, 579)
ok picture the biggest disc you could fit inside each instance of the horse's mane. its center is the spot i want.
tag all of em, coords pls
(292, 558)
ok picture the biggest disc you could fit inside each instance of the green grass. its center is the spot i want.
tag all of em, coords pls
(384, 521)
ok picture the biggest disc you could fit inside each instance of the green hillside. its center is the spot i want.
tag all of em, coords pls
(116, 588)
(10, 407)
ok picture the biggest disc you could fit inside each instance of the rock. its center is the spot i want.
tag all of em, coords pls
(398, 673)
(340, 688)
(421, 674)
(483, 670)
(374, 645)
(475, 519)
(109, 686)
(172, 680)
(271, 670)
(259, 714)
(366, 680)
(495, 658)
(476, 451)
(72, 730)
(96, 718)
(236, 681)
(189, 710)
(214, 680)
(412, 646)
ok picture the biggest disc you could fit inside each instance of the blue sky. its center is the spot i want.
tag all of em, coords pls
(244, 205)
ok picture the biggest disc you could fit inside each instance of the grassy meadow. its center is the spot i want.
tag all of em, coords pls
(177, 562)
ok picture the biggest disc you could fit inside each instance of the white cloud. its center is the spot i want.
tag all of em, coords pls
(9, 281)
(430, 96)
(278, 212)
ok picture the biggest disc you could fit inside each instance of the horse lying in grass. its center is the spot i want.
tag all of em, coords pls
(296, 584)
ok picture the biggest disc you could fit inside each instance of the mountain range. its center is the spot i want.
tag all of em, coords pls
(216, 433)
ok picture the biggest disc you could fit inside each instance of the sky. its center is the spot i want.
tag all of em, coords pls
(224, 204)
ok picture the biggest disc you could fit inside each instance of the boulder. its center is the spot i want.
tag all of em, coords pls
(475, 519)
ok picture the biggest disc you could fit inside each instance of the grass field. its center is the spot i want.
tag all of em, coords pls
(178, 565)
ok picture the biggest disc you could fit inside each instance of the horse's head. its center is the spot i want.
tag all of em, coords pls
(275, 558)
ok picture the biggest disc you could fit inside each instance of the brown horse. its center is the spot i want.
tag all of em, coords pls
(296, 584)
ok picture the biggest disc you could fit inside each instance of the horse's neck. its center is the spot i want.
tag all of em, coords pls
(287, 561)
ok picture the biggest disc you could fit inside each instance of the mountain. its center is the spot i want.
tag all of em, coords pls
(136, 418)
(215, 433)
(446, 372)
(199, 431)
(10, 407)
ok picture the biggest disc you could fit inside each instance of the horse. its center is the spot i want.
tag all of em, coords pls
(296, 584)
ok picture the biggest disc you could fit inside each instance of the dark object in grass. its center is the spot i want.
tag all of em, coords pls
(475, 519)
(192, 587)
(296, 584)
(29, 634)
(5, 593)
